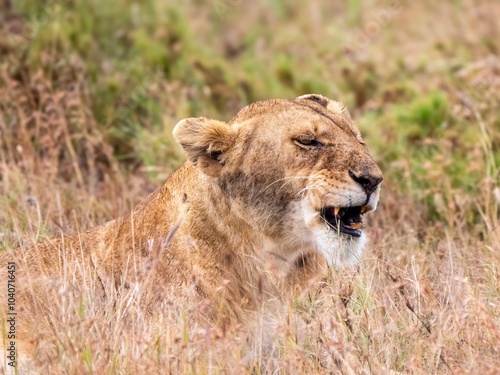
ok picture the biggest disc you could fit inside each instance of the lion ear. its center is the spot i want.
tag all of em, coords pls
(331, 105)
(205, 142)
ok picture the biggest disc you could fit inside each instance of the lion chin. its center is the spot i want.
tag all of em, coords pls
(260, 204)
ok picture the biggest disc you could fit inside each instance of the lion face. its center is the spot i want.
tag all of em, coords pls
(297, 171)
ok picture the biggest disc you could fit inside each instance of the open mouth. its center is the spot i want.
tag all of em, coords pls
(346, 220)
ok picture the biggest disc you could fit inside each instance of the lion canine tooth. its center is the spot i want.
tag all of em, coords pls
(364, 209)
(336, 210)
(355, 225)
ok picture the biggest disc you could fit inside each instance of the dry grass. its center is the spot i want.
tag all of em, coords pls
(84, 136)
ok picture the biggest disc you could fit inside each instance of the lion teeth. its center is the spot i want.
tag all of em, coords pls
(336, 210)
(355, 225)
(364, 209)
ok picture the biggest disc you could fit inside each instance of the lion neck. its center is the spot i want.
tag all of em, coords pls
(217, 226)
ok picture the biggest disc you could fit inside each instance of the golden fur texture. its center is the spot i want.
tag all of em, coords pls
(239, 225)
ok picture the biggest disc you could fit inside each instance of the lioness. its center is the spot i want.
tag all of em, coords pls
(260, 201)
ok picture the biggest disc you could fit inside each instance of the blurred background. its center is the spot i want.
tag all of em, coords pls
(90, 91)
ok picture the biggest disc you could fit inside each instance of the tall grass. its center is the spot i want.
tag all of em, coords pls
(89, 93)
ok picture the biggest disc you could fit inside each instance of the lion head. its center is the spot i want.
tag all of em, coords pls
(297, 172)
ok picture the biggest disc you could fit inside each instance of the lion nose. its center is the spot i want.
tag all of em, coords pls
(368, 183)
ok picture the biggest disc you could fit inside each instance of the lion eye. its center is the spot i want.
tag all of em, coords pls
(307, 143)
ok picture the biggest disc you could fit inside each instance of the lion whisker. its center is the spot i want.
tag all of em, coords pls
(285, 178)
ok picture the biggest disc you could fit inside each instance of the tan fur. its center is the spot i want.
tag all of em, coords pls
(231, 226)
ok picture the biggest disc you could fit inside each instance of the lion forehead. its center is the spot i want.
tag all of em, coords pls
(296, 114)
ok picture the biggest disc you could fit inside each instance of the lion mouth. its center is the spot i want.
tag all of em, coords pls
(346, 220)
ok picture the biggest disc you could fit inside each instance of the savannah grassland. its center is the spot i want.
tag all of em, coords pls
(90, 91)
